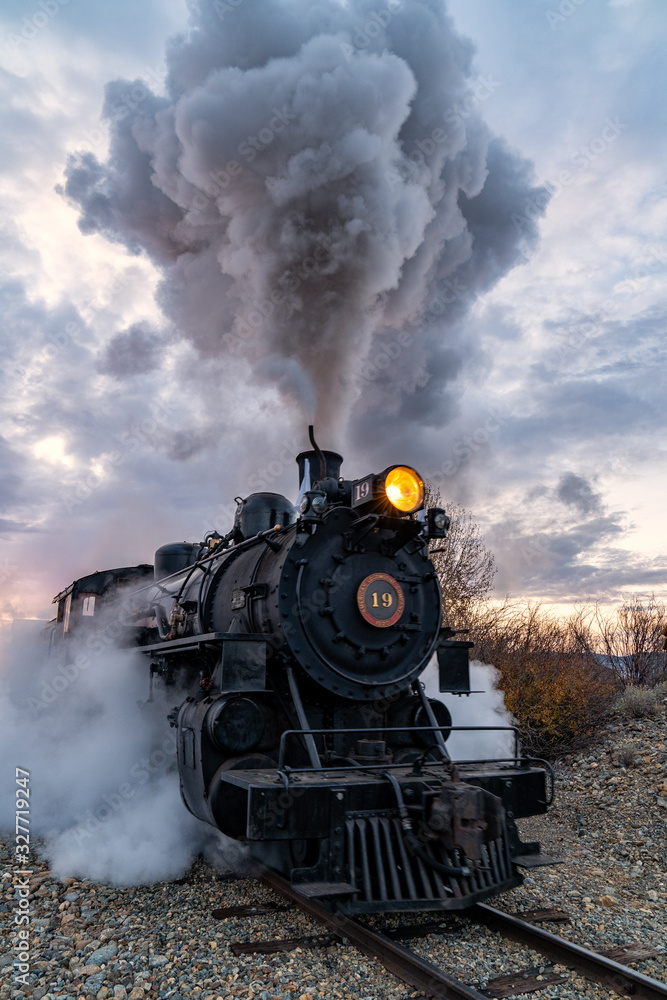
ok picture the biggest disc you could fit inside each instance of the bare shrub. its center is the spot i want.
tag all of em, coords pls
(627, 755)
(631, 638)
(560, 676)
(637, 703)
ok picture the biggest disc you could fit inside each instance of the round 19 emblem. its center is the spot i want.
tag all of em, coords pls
(380, 600)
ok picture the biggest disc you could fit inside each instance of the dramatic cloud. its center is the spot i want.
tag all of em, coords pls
(133, 352)
(330, 210)
(574, 491)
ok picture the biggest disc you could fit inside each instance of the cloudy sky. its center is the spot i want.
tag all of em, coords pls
(438, 231)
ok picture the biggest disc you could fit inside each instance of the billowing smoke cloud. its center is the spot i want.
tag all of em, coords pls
(104, 789)
(317, 182)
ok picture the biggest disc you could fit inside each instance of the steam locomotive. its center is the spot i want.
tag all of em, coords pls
(299, 639)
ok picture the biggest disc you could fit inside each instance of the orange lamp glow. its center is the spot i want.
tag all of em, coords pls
(405, 489)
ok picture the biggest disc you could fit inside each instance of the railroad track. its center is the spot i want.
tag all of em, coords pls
(435, 982)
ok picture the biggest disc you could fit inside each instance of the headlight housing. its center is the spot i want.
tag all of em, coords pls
(404, 489)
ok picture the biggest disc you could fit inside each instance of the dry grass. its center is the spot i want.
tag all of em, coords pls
(638, 702)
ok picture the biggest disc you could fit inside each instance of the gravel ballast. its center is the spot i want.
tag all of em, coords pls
(608, 823)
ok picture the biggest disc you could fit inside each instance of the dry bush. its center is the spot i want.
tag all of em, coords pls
(557, 690)
(638, 702)
(627, 755)
(560, 677)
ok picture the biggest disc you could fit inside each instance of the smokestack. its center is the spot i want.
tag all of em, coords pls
(317, 465)
(309, 468)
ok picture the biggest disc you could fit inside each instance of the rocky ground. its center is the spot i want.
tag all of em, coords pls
(609, 823)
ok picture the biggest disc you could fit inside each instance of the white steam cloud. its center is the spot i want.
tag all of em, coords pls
(484, 708)
(104, 791)
(317, 182)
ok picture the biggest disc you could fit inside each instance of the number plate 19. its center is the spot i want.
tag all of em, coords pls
(362, 491)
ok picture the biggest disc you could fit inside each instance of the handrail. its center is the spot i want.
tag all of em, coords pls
(396, 729)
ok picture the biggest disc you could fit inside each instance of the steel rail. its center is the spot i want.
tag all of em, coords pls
(403, 963)
(599, 968)
(433, 982)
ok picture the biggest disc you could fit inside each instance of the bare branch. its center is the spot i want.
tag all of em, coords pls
(465, 566)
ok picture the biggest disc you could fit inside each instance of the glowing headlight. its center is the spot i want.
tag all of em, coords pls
(405, 489)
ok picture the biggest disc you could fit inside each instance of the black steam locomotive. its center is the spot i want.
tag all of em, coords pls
(306, 732)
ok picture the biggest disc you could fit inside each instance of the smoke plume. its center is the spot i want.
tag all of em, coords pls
(316, 182)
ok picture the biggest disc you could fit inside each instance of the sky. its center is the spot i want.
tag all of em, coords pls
(436, 230)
